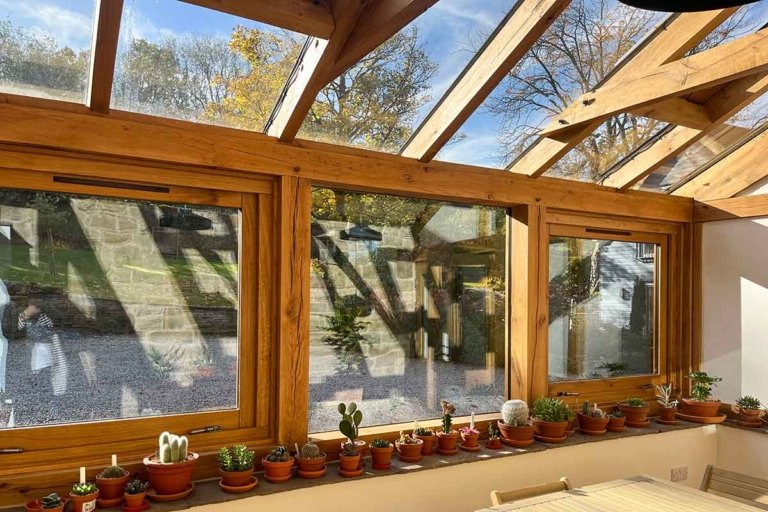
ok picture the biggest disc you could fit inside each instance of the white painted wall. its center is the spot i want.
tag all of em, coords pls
(735, 306)
(466, 487)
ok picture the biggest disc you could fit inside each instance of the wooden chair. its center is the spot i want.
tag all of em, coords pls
(735, 486)
(501, 497)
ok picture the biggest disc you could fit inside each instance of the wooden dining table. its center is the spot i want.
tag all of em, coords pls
(635, 494)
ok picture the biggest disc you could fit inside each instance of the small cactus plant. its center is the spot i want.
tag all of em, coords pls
(53, 500)
(593, 412)
(279, 454)
(310, 451)
(381, 443)
(351, 417)
(83, 489)
(421, 431)
(515, 413)
(172, 448)
(136, 487)
(112, 472)
(235, 459)
(635, 402)
(493, 432)
(349, 449)
(448, 410)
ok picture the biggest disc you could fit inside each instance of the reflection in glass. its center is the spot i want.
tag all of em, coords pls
(602, 304)
(407, 307)
(115, 308)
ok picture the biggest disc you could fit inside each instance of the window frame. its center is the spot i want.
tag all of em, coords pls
(253, 417)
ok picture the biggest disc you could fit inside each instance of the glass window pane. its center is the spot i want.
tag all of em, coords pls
(45, 48)
(602, 304)
(186, 62)
(407, 307)
(114, 308)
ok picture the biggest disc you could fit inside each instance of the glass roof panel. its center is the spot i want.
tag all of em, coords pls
(579, 50)
(379, 102)
(186, 62)
(45, 48)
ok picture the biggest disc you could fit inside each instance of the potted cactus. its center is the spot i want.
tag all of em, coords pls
(350, 461)
(550, 419)
(592, 420)
(667, 406)
(311, 461)
(381, 453)
(134, 494)
(278, 465)
(515, 424)
(51, 503)
(636, 411)
(409, 448)
(447, 438)
(700, 405)
(750, 409)
(616, 422)
(469, 436)
(494, 439)
(349, 426)
(427, 438)
(111, 483)
(83, 497)
(170, 469)
(236, 469)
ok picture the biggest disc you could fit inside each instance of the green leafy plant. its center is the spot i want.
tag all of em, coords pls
(278, 454)
(701, 390)
(345, 332)
(749, 402)
(172, 448)
(593, 412)
(664, 396)
(83, 489)
(635, 402)
(53, 500)
(550, 409)
(380, 443)
(136, 487)
(236, 458)
(351, 417)
(112, 472)
(448, 410)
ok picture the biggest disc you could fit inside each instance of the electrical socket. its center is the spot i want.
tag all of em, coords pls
(679, 474)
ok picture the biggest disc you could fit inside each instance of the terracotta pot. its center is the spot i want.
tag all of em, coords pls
(134, 500)
(616, 424)
(516, 436)
(236, 478)
(494, 444)
(636, 416)
(708, 409)
(112, 488)
(591, 425)
(551, 429)
(350, 463)
(470, 439)
(409, 452)
(311, 465)
(667, 413)
(37, 506)
(571, 428)
(168, 479)
(446, 443)
(277, 472)
(750, 418)
(382, 457)
(85, 503)
(428, 445)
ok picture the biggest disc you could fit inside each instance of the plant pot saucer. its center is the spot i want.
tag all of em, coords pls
(351, 474)
(303, 473)
(448, 452)
(707, 420)
(639, 424)
(144, 506)
(750, 424)
(153, 496)
(114, 502)
(518, 444)
(593, 432)
(466, 448)
(236, 489)
(278, 479)
(494, 446)
(384, 466)
(551, 440)
(666, 422)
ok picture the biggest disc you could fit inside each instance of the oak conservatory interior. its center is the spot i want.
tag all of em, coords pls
(384, 254)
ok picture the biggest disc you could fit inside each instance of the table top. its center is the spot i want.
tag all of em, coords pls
(628, 495)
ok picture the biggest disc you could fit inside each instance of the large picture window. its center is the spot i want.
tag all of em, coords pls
(407, 307)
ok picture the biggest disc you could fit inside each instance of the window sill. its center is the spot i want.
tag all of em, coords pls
(207, 492)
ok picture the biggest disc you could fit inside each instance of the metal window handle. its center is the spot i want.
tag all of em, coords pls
(204, 430)
(646, 386)
(4, 451)
(568, 393)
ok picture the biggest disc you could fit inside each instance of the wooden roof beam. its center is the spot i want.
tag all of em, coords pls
(742, 207)
(732, 174)
(364, 25)
(666, 45)
(104, 54)
(678, 111)
(742, 57)
(500, 54)
(721, 107)
(311, 17)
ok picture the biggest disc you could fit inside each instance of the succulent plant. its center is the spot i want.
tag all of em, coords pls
(381, 443)
(593, 412)
(493, 432)
(112, 472)
(237, 458)
(550, 409)
(83, 489)
(515, 413)
(136, 487)
(349, 450)
(635, 402)
(421, 431)
(748, 402)
(448, 410)
(310, 451)
(616, 414)
(53, 500)
(172, 448)
(279, 454)
(351, 418)
(664, 395)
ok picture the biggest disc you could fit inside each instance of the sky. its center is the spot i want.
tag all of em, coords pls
(450, 31)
